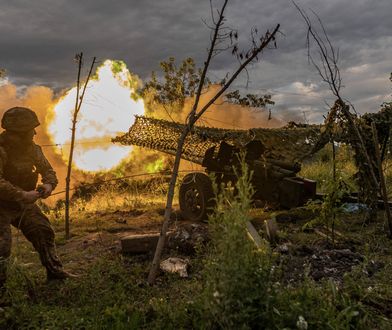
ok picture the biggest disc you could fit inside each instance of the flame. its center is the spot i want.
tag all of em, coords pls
(108, 108)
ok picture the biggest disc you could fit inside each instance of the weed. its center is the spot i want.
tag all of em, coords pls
(236, 274)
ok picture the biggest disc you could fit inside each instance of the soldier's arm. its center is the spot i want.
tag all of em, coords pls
(8, 191)
(45, 169)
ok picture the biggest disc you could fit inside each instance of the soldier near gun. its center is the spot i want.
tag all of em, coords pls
(21, 161)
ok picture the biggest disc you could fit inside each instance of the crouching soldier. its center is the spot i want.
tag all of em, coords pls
(21, 160)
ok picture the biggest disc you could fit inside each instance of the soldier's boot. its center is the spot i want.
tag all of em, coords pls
(59, 275)
(53, 265)
(41, 235)
(49, 259)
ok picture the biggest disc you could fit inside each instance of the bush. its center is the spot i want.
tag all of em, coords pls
(236, 274)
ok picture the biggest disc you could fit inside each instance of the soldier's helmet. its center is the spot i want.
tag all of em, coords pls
(19, 119)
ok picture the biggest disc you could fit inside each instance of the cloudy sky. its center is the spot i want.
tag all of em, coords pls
(39, 39)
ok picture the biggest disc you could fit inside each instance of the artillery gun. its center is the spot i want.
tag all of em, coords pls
(272, 154)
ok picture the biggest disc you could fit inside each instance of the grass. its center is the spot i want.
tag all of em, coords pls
(90, 213)
(231, 285)
(319, 168)
(111, 295)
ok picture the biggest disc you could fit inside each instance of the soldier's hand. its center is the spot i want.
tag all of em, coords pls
(45, 190)
(30, 196)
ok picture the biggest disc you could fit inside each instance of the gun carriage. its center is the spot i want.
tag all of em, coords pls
(272, 154)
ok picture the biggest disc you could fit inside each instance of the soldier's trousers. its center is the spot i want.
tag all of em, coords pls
(36, 228)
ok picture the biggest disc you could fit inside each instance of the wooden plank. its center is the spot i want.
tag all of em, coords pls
(139, 243)
(271, 228)
(254, 235)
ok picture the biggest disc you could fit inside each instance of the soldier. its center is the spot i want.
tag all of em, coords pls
(21, 160)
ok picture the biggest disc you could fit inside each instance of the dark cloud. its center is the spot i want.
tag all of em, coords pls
(40, 38)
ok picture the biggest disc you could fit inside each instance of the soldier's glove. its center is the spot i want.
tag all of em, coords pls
(30, 197)
(45, 190)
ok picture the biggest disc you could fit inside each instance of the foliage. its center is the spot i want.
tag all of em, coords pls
(176, 84)
(335, 187)
(250, 100)
(312, 306)
(181, 82)
(386, 109)
(236, 274)
(331, 205)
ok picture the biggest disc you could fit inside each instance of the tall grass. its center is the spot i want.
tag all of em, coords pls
(319, 168)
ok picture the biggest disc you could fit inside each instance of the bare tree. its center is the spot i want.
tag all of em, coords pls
(220, 34)
(78, 104)
(328, 69)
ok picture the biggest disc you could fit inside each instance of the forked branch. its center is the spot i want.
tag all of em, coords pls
(193, 116)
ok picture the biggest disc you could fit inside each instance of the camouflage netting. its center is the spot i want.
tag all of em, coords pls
(288, 144)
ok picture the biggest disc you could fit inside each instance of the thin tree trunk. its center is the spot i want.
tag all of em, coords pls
(70, 158)
(170, 195)
(68, 178)
(334, 183)
(383, 187)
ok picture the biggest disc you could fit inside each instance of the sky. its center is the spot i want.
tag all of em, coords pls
(40, 38)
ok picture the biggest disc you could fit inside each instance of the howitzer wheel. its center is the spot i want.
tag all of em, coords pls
(196, 196)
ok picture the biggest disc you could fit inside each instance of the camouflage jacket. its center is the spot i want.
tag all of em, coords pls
(19, 170)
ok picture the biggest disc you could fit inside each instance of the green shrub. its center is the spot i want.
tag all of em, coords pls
(236, 274)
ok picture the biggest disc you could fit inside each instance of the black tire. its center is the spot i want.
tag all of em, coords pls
(196, 196)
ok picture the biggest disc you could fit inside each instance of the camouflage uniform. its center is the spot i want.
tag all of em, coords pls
(19, 169)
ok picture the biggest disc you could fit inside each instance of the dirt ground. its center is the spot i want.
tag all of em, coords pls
(299, 252)
(81, 251)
